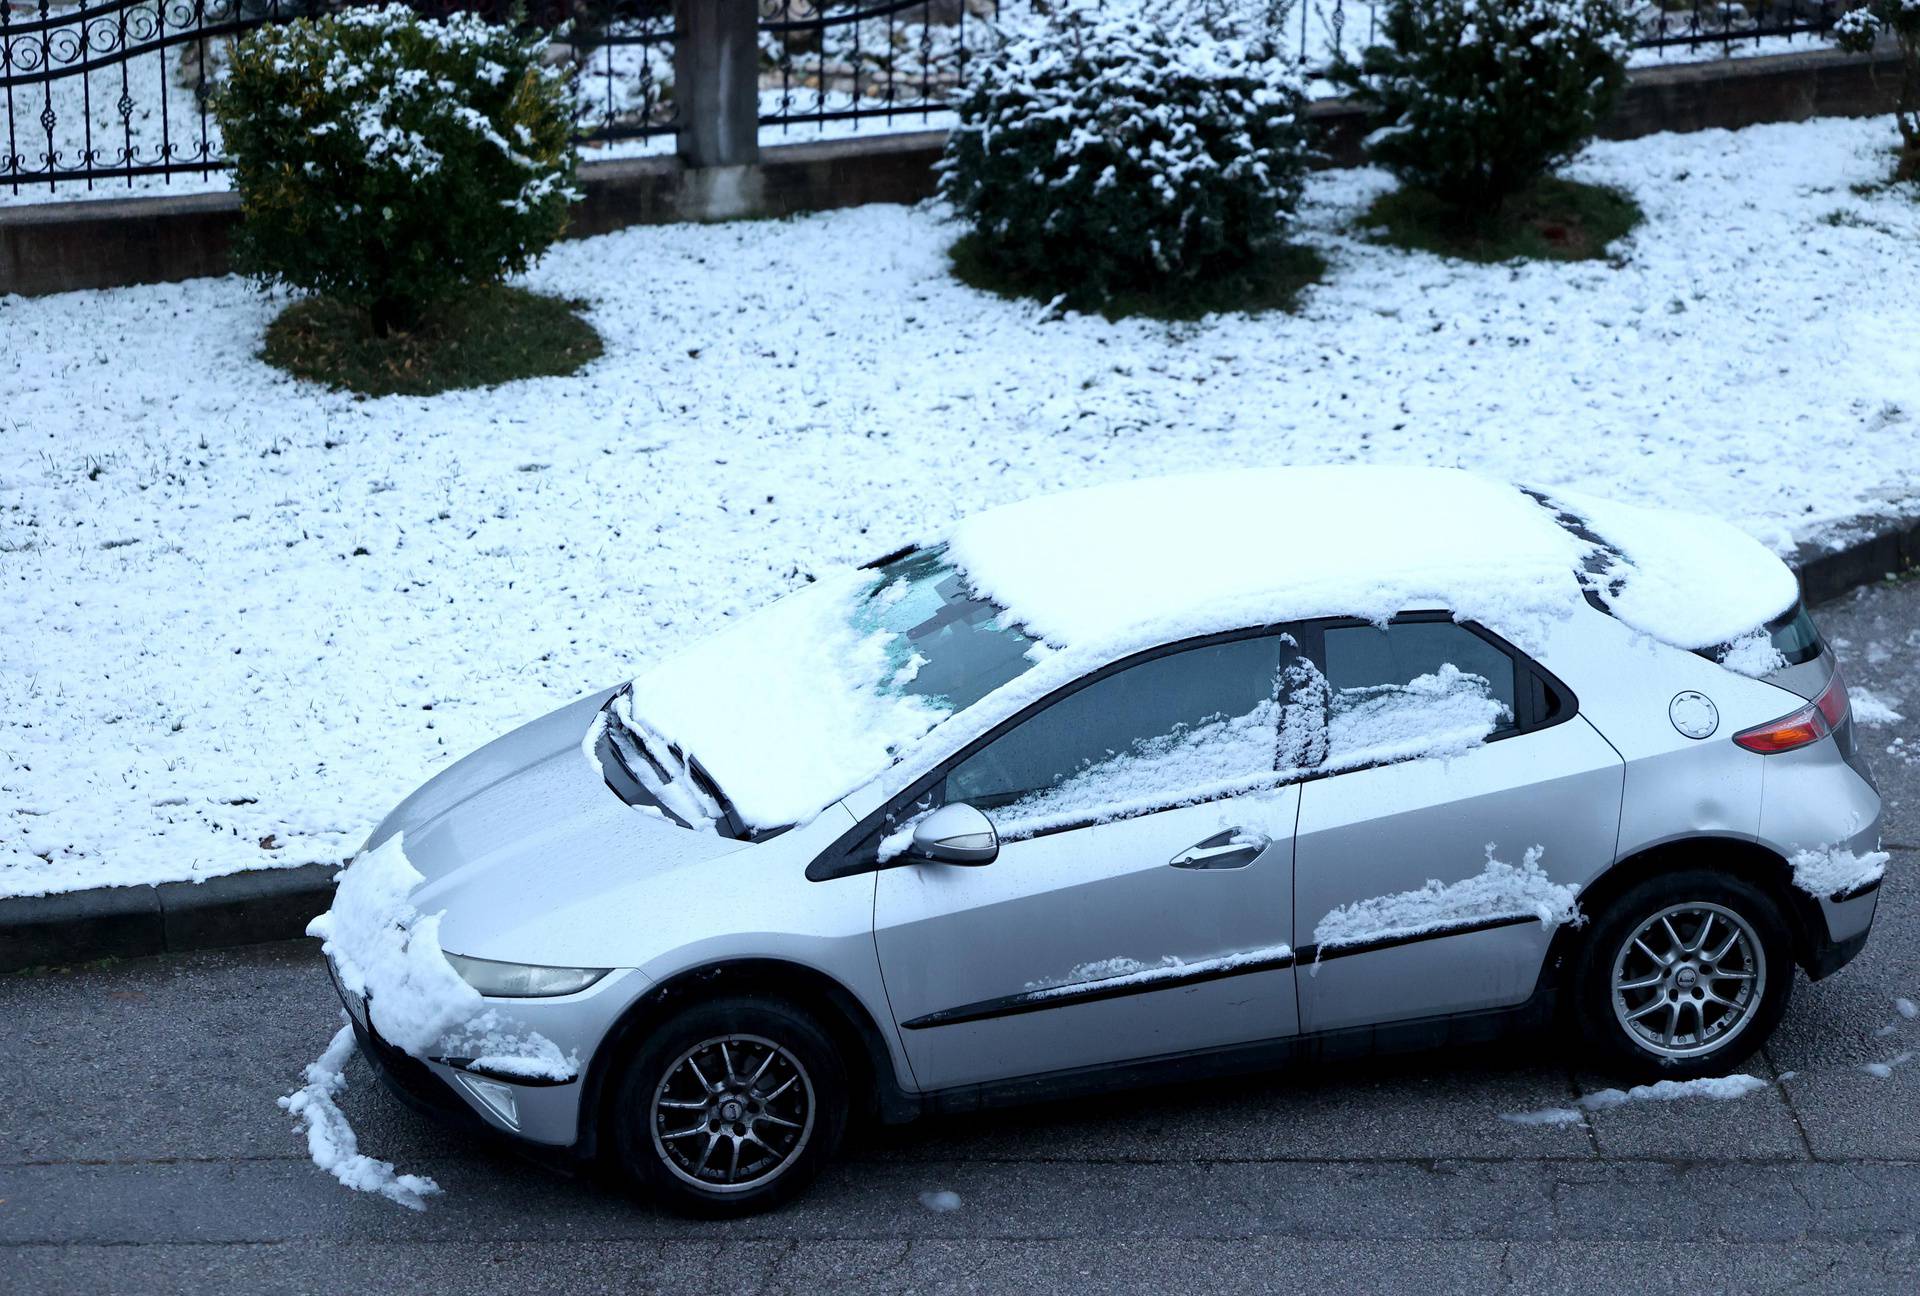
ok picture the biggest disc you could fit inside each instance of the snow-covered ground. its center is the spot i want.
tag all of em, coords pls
(247, 614)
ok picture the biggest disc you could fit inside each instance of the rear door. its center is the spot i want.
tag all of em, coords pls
(1141, 902)
(1465, 797)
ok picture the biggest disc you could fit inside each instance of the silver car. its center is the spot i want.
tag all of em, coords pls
(1144, 783)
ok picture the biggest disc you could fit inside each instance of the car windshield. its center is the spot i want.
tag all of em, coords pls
(944, 645)
(921, 648)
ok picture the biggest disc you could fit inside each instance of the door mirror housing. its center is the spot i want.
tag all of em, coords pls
(955, 834)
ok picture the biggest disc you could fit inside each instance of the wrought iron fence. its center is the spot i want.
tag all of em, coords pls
(1727, 24)
(827, 61)
(104, 91)
(110, 91)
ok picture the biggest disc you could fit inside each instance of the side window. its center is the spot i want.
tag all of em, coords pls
(1184, 727)
(1414, 688)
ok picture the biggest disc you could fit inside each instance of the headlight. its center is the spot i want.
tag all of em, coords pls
(522, 980)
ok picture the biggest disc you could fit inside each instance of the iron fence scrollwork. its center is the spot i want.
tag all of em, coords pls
(112, 91)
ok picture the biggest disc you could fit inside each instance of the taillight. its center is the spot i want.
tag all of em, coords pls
(1809, 724)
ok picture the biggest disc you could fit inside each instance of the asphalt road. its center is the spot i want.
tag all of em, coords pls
(141, 1151)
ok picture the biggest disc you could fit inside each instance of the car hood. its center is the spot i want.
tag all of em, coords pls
(525, 829)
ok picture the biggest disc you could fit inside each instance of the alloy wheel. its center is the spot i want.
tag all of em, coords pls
(732, 1113)
(1688, 980)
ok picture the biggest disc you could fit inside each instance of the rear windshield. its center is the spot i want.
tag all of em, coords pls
(1794, 635)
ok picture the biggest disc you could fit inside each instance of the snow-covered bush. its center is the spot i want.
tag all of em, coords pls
(389, 161)
(1859, 30)
(1105, 152)
(1481, 98)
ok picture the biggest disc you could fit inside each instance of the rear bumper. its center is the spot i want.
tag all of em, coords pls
(1848, 920)
(1833, 956)
(1814, 800)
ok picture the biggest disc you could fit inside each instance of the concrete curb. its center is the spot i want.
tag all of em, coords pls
(1887, 546)
(126, 922)
(276, 904)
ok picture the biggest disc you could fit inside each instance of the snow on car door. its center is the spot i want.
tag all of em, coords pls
(1141, 902)
(1460, 809)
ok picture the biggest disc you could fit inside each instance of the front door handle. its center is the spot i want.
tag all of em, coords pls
(1224, 850)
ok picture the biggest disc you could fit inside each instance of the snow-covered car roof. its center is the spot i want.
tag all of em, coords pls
(1215, 551)
(794, 707)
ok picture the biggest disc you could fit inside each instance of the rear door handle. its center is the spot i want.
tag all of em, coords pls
(1224, 850)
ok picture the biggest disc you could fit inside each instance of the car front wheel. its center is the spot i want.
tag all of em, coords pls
(730, 1107)
(1684, 976)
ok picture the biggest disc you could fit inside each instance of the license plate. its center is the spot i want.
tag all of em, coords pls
(355, 1005)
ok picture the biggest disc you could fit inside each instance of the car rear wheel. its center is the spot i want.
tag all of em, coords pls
(1684, 976)
(729, 1107)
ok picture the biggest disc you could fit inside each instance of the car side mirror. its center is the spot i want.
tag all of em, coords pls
(955, 834)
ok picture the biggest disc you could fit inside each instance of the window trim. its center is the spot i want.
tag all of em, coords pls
(839, 860)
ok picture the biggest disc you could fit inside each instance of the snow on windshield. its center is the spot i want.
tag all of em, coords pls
(798, 704)
(786, 708)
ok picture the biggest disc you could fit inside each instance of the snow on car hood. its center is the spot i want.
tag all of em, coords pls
(788, 709)
(526, 815)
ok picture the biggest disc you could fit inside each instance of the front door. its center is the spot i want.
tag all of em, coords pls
(1141, 904)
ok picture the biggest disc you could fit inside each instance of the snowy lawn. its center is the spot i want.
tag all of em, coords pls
(246, 614)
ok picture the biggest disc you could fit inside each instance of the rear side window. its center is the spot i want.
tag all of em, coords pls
(1412, 687)
(1184, 727)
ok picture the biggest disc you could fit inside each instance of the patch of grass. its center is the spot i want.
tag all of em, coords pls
(1273, 282)
(1839, 219)
(1556, 220)
(491, 335)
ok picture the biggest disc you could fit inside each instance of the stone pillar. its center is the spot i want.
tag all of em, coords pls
(716, 81)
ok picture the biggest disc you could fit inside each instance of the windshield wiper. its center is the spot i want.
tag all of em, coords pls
(729, 814)
(667, 776)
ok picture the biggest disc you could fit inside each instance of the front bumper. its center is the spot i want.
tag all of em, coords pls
(545, 1113)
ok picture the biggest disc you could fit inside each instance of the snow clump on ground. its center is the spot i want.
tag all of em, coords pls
(331, 1141)
(1872, 710)
(1721, 1088)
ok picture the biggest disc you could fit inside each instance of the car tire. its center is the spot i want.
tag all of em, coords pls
(748, 1075)
(1683, 976)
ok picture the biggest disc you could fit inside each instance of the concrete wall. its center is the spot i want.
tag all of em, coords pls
(108, 242)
